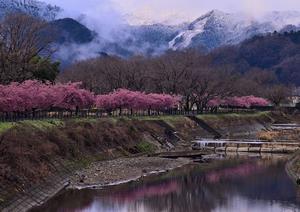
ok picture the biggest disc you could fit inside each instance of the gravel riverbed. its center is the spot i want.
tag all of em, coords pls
(122, 170)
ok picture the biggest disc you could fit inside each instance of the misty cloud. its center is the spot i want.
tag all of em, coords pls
(110, 19)
(170, 11)
(100, 16)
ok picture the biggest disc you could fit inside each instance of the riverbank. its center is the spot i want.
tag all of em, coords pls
(122, 170)
(77, 149)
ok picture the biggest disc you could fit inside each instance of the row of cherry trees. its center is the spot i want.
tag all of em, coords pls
(125, 99)
(31, 95)
(241, 102)
(34, 95)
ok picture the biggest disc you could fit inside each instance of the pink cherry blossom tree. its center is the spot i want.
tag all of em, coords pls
(242, 102)
(126, 99)
(32, 95)
(70, 96)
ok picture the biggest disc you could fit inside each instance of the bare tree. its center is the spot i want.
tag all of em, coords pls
(278, 93)
(187, 73)
(169, 71)
(103, 75)
(22, 38)
(214, 82)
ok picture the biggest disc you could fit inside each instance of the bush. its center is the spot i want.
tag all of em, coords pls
(145, 146)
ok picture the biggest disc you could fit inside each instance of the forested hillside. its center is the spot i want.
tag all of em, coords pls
(276, 53)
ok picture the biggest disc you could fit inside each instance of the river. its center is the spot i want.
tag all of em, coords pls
(239, 184)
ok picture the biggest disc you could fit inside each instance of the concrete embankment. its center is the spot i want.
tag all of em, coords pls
(293, 167)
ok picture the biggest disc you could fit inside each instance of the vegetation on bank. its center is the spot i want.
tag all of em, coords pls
(5, 126)
(145, 146)
(234, 115)
(27, 148)
(39, 124)
(170, 119)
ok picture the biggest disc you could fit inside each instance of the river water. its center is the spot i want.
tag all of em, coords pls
(252, 184)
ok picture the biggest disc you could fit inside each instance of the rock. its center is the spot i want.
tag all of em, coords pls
(82, 178)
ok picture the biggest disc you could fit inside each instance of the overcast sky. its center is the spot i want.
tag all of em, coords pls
(174, 11)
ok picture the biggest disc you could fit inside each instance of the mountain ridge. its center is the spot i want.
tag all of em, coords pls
(212, 30)
(217, 28)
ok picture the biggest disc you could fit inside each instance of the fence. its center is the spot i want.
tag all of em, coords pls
(67, 114)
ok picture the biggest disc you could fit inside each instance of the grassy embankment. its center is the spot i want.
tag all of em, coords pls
(48, 123)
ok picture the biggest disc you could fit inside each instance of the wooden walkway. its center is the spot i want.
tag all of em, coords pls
(183, 154)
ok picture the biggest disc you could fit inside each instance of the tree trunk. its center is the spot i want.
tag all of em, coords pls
(187, 104)
(76, 110)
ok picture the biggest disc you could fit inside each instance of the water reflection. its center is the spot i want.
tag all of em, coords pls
(250, 185)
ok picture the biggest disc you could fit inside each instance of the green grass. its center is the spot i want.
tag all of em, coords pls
(81, 120)
(164, 118)
(5, 126)
(49, 123)
(40, 124)
(145, 146)
(43, 124)
(232, 115)
(171, 120)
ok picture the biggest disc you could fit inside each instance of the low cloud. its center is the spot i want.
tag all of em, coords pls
(110, 19)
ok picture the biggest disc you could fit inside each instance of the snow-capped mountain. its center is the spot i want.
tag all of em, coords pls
(32, 7)
(218, 28)
(209, 31)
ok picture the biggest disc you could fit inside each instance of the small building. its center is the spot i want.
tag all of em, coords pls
(294, 99)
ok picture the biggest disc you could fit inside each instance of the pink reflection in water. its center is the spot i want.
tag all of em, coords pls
(146, 191)
(238, 171)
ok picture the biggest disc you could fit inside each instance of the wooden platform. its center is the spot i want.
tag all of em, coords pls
(183, 154)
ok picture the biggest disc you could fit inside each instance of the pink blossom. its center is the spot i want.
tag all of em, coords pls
(127, 99)
(244, 101)
(31, 95)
